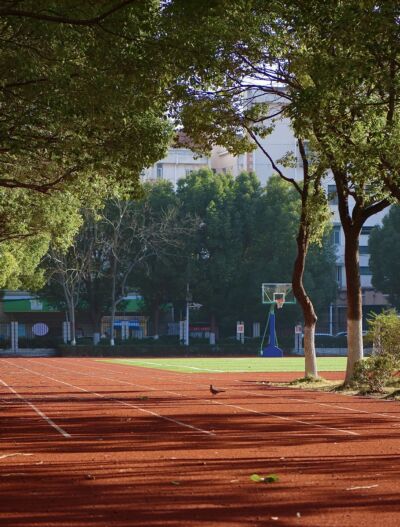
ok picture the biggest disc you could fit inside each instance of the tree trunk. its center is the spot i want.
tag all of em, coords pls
(112, 322)
(213, 324)
(156, 320)
(73, 328)
(70, 300)
(354, 300)
(310, 318)
(352, 224)
(95, 312)
(113, 302)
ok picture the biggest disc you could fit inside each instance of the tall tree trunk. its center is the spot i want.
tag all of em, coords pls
(352, 223)
(354, 300)
(310, 317)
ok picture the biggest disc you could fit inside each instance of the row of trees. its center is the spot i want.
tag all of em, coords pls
(222, 236)
(81, 110)
(333, 69)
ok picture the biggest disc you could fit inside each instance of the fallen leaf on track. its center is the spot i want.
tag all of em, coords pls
(270, 478)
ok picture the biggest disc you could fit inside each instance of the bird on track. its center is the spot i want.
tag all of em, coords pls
(215, 391)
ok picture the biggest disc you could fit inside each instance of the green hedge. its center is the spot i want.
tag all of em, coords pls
(161, 350)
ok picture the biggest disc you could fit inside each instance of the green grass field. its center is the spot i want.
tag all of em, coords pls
(245, 364)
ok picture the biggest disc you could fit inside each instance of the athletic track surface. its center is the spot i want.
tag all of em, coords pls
(88, 443)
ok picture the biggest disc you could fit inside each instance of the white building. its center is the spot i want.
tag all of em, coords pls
(177, 164)
(224, 162)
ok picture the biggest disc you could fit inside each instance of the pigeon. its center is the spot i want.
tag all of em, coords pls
(215, 391)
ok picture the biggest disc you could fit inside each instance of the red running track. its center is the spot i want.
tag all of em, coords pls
(88, 443)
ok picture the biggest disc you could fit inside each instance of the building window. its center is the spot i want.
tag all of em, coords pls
(339, 279)
(366, 230)
(159, 171)
(332, 195)
(365, 271)
(188, 171)
(335, 235)
(364, 249)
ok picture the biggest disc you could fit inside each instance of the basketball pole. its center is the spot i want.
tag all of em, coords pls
(272, 328)
(272, 349)
(265, 331)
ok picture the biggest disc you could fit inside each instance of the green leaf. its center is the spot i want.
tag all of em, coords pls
(270, 478)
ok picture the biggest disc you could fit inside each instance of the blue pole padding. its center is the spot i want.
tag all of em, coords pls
(272, 349)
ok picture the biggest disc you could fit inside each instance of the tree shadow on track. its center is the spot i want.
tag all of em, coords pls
(182, 492)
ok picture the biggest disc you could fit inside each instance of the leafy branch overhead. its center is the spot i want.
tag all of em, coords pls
(77, 92)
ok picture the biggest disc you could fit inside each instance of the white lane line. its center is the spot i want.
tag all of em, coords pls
(329, 405)
(38, 411)
(108, 398)
(283, 418)
(230, 405)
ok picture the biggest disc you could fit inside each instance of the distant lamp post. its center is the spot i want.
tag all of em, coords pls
(188, 300)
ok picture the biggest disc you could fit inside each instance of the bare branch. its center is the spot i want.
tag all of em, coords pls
(274, 165)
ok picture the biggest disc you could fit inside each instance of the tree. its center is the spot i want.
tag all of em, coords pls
(98, 270)
(384, 246)
(249, 237)
(29, 224)
(213, 253)
(66, 271)
(334, 67)
(349, 104)
(274, 251)
(162, 280)
(133, 234)
(227, 85)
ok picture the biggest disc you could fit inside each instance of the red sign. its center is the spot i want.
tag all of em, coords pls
(199, 328)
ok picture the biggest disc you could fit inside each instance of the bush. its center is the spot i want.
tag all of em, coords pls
(384, 333)
(375, 372)
(39, 342)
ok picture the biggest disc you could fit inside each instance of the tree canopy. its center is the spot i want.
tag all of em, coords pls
(248, 237)
(76, 93)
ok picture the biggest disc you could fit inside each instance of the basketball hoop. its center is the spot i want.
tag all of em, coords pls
(279, 299)
(279, 302)
(277, 294)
